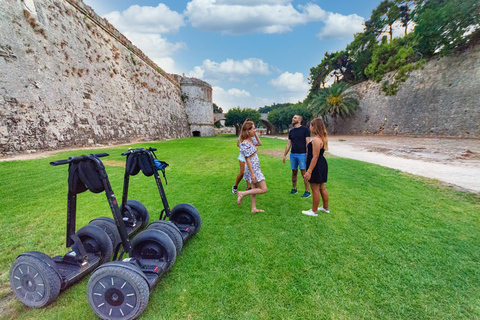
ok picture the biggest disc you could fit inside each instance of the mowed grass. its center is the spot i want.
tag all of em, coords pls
(393, 247)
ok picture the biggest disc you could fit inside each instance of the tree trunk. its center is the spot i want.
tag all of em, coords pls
(237, 130)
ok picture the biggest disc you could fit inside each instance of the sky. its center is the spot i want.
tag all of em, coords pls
(253, 52)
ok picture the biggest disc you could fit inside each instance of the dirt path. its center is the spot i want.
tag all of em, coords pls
(453, 161)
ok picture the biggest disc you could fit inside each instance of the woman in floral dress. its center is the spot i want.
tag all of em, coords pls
(252, 173)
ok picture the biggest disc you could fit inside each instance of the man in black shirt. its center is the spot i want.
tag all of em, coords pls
(298, 138)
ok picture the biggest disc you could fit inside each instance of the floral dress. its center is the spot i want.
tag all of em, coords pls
(246, 150)
(240, 156)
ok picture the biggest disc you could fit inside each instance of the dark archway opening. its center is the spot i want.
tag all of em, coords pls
(196, 133)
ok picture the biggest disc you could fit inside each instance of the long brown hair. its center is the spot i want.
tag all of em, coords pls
(247, 126)
(318, 129)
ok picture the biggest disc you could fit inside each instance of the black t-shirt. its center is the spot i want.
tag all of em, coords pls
(298, 137)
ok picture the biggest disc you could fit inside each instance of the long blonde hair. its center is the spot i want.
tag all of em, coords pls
(247, 126)
(318, 129)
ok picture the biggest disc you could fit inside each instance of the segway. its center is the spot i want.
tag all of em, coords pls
(121, 289)
(37, 279)
(134, 214)
(184, 219)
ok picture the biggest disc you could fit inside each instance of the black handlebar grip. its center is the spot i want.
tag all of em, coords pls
(58, 162)
(99, 155)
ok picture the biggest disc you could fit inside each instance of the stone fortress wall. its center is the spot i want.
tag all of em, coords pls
(440, 100)
(68, 79)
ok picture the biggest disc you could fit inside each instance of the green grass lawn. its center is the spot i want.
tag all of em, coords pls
(393, 247)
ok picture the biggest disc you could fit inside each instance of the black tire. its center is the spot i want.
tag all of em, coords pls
(110, 227)
(154, 244)
(95, 240)
(186, 214)
(115, 292)
(34, 282)
(171, 229)
(140, 212)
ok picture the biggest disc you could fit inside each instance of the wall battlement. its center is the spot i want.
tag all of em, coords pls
(110, 29)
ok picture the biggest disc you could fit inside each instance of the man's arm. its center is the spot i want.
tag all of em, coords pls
(287, 149)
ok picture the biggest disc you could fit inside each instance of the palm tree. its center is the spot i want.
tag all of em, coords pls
(334, 101)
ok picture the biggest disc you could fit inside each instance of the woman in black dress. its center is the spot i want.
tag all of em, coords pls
(317, 169)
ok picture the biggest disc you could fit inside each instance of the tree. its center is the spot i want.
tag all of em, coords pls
(444, 26)
(237, 116)
(334, 101)
(282, 118)
(217, 109)
(384, 16)
(274, 106)
(405, 13)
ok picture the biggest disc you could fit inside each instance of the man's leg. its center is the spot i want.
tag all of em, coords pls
(294, 178)
(294, 166)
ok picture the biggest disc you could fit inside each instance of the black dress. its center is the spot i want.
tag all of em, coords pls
(320, 172)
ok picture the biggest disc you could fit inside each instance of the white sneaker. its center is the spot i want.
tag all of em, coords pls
(310, 213)
(324, 210)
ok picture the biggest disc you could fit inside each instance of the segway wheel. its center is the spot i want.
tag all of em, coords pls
(108, 225)
(154, 244)
(186, 214)
(34, 281)
(140, 212)
(171, 229)
(95, 240)
(114, 292)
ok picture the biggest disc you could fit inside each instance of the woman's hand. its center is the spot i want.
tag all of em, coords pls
(307, 176)
(254, 178)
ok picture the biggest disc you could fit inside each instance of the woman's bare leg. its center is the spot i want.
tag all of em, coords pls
(315, 196)
(253, 197)
(240, 174)
(324, 193)
(257, 188)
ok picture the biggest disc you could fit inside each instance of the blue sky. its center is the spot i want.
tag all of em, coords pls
(253, 52)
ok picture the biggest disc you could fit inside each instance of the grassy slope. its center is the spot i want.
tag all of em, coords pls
(393, 246)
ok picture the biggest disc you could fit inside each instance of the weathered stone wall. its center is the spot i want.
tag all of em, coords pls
(443, 99)
(197, 95)
(69, 79)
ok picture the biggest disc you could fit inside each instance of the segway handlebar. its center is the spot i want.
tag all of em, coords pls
(77, 159)
(138, 150)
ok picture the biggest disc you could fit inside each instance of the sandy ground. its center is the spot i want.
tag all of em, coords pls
(455, 162)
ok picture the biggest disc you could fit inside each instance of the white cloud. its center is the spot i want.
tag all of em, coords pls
(236, 93)
(338, 26)
(238, 17)
(290, 82)
(156, 48)
(293, 87)
(159, 19)
(251, 2)
(167, 64)
(230, 68)
(99, 6)
(232, 98)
